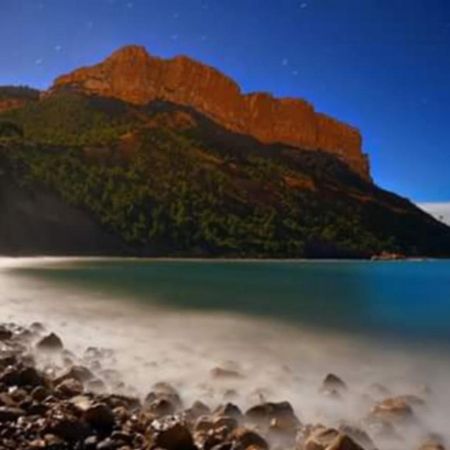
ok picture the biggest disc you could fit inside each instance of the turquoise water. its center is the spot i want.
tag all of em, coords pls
(392, 300)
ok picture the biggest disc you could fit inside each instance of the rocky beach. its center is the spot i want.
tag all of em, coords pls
(51, 398)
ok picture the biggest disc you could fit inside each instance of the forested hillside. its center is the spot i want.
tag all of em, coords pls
(165, 180)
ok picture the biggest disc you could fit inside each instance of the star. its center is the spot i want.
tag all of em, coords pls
(39, 61)
(57, 48)
(285, 62)
(303, 5)
(174, 37)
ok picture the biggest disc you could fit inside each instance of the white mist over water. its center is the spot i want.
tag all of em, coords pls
(277, 361)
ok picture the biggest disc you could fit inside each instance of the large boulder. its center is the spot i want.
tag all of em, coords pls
(265, 413)
(70, 428)
(323, 438)
(246, 439)
(21, 376)
(171, 434)
(100, 417)
(51, 342)
(164, 391)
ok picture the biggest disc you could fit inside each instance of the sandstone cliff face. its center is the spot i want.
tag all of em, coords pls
(132, 75)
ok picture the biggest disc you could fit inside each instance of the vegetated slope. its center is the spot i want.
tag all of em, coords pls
(36, 221)
(166, 180)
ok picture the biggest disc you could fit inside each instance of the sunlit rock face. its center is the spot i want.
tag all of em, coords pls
(132, 75)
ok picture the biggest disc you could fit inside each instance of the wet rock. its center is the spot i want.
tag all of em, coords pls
(115, 401)
(70, 429)
(6, 400)
(53, 442)
(229, 409)
(333, 386)
(10, 414)
(37, 327)
(395, 408)
(96, 385)
(198, 409)
(265, 413)
(5, 333)
(79, 373)
(51, 342)
(90, 443)
(107, 444)
(121, 438)
(37, 443)
(18, 395)
(166, 392)
(7, 359)
(172, 434)
(36, 409)
(100, 417)
(225, 422)
(412, 400)
(432, 443)
(162, 407)
(81, 403)
(245, 438)
(212, 439)
(283, 431)
(223, 446)
(358, 435)
(203, 424)
(21, 376)
(69, 388)
(330, 439)
(40, 393)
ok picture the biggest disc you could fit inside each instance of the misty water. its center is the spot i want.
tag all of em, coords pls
(282, 325)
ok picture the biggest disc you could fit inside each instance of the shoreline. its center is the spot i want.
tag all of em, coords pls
(52, 398)
(213, 260)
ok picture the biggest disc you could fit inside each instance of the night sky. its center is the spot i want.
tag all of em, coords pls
(381, 65)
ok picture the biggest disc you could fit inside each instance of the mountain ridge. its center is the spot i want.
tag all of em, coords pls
(93, 174)
(131, 74)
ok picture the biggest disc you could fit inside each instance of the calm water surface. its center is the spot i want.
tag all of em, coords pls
(402, 300)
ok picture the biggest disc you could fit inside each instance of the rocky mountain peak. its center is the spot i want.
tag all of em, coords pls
(133, 75)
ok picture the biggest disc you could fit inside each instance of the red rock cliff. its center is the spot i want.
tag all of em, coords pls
(132, 75)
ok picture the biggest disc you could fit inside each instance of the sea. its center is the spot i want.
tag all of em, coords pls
(383, 327)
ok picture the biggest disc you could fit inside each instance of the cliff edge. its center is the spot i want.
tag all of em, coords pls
(132, 75)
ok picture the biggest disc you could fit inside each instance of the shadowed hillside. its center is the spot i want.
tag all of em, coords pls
(165, 180)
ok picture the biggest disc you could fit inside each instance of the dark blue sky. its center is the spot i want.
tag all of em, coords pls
(382, 65)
